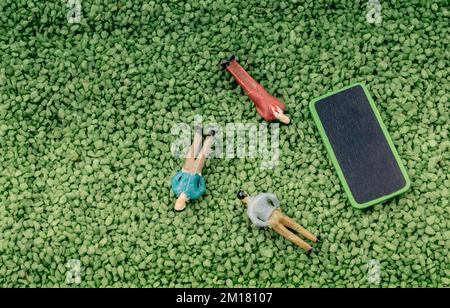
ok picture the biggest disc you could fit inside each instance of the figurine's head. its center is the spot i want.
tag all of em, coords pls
(243, 196)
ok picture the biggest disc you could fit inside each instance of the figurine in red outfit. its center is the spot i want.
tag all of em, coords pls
(269, 107)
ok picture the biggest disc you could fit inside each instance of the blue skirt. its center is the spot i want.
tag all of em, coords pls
(193, 185)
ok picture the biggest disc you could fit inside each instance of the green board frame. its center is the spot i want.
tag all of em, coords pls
(353, 202)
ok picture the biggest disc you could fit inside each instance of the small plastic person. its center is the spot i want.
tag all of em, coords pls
(188, 184)
(269, 107)
(264, 211)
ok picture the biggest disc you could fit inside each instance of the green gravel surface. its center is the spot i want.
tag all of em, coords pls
(86, 112)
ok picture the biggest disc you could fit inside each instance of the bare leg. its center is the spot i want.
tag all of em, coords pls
(290, 223)
(189, 165)
(280, 229)
(201, 159)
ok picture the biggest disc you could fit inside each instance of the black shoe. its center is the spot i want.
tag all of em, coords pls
(211, 132)
(225, 63)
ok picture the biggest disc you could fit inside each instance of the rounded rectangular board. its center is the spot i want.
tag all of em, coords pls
(359, 146)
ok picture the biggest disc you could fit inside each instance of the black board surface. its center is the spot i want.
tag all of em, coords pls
(361, 149)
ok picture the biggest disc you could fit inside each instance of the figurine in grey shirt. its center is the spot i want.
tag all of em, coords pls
(264, 211)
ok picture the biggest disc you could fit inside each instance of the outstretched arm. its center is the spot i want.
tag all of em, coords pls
(256, 221)
(180, 204)
(273, 199)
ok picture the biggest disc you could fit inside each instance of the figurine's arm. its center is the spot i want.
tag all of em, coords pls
(180, 204)
(273, 199)
(256, 221)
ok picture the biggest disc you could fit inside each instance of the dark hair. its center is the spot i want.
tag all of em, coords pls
(241, 194)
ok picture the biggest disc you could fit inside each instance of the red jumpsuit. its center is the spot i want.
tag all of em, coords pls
(269, 107)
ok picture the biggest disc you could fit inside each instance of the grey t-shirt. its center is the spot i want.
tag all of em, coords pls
(261, 207)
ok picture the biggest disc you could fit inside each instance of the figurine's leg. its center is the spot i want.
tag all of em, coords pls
(201, 159)
(242, 77)
(280, 229)
(189, 165)
(290, 223)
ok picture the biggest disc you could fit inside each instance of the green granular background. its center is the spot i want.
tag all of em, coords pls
(86, 112)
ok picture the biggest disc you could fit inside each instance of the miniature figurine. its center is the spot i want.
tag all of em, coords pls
(269, 107)
(264, 211)
(188, 184)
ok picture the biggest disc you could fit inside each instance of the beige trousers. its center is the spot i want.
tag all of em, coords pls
(280, 222)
